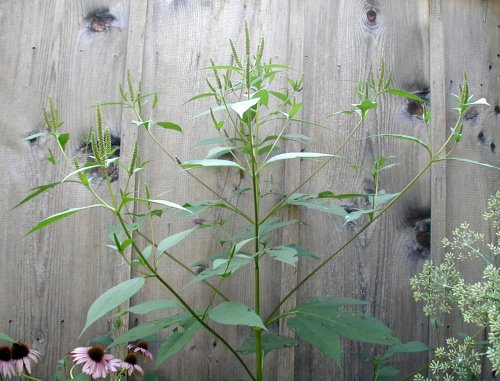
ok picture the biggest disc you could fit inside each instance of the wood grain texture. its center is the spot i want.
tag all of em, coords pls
(60, 49)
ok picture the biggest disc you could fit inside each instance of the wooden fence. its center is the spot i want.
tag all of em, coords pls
(78, 52)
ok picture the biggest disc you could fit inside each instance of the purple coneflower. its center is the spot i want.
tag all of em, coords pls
(6, 364)
(130, 364)
(141, 347)
(96, 363)
(22, 356)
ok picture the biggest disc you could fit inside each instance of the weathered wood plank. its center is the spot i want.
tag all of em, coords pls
(51, 278)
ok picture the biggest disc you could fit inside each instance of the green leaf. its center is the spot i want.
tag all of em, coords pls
(210, 163)
(241, 107)
(321, 323)
(294, 110)
(274, 223)
(199, 96)
(173, 240)
(407, 95)
(365, 106)
(63, 139)
(480, 101)
(410, 347)
(408, 138)
(112, 298)
(263, 95)
(216, 152)
(79, 170)
(169, 126)
(331, 209)
(234, 313)
(159, 202)
(150, 328)
(222, 67)
(37, 191)
(224, 269)
(5, 337)
(295, 155)
(387, 373)
(289, 254)
(153, 305)
(214, 140)
(59, 216)
(34, 136)
(270, 342)
(177, 340)
(482, 164)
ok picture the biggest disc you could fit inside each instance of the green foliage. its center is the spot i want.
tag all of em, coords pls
(254, 104)
(321, 322)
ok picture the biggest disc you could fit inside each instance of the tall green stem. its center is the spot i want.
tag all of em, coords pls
(256, 207)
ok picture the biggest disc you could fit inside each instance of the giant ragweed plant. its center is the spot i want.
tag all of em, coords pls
(254, 104)
(442, 288)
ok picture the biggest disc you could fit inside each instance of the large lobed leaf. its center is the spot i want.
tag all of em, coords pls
(321, 323)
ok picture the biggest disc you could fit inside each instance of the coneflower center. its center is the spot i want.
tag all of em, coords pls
(143, 344)
(5, 353)
(131, 359)
(19, 351)
(96, 353)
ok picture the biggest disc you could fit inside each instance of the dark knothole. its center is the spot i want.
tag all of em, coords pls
(418, 242)
(414, 108)
(497, 109)
(371, 16)
(99, 19)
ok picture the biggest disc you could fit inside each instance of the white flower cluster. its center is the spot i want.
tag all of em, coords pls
(442, 288)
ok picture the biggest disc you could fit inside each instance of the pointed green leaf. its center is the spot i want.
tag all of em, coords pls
(270, 342)
(241, 107)
(5, 337)
(37, 191)
(289, 254)
(331, 209)
(34, 136)
(408, 138)
(177, 340)
(234, 313)
(263, 95)
(153, 305)
(294, 110)
(365, 106)
(482, 164)
(295, 155)
(321, 322)
(407, 95)
(150, 328)
(214, 140)
(63, 139)
(79, 170)
(216, 152)
(173, 240)
(231, 265)
(480, 101)
(210, 163)
(59, 216)
(159, 202)
(169, 126)
(112, 298)
(199, 96)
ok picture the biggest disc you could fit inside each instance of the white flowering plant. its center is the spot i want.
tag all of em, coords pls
(443, 289)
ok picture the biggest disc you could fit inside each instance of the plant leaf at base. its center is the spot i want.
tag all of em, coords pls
(321, 323)
(112, 299)
(234, 313)
(177, 340)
